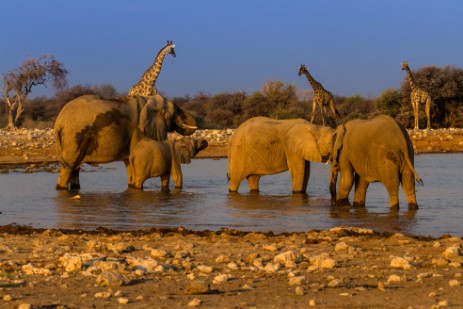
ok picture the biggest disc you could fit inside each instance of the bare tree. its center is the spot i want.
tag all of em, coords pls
(18, 83)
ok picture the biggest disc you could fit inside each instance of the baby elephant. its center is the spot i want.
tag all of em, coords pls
(151, 158)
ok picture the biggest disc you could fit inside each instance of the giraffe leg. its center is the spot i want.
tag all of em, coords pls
(314, 105)
(415, 114)
(428, 113)
(323, 109)
(333, 109)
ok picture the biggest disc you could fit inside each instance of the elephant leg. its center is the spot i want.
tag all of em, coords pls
(345, 184)
(361, 186)
(299, 169)
(253, 181)
(234, 183)
(165, 182)
(63, 179)
(74, 182)
(130, 173)
(392, 188)
(408, 186)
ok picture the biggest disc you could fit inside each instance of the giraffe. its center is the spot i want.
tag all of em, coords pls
(321, 96)
(146, 86)
(418, 96)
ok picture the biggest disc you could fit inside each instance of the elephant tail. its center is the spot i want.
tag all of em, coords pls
(410, 165)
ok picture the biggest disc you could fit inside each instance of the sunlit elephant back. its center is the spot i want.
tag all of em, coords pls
(90, 129)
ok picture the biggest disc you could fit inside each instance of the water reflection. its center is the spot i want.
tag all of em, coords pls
(205, 202)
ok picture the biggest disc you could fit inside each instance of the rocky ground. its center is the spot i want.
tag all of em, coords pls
(338, 268)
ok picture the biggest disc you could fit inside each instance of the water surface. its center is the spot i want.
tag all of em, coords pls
(205, 203)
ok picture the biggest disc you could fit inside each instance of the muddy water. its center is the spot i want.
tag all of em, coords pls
(204, 203)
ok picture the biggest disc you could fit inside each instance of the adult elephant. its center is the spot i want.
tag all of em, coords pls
(263, 146)
(93, 130)
(377, 150)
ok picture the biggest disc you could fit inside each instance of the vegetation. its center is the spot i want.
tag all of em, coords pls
(276, 99)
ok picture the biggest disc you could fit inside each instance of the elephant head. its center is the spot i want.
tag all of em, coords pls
(160, 115)
(183, 150)
(311, 142)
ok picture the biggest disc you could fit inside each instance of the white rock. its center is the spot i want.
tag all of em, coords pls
(401, 263)
(454, 283)
(298, 280)
(219, 279)
(272, 267)
(394, 278)
(284, 257)
(194, 303)
(205, 269)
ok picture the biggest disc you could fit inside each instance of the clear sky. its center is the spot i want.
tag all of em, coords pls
(350, 46)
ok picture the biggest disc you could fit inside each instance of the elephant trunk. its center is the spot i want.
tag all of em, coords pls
(333, 181)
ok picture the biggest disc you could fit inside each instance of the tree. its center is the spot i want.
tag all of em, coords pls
(389, 101)
(18, 83)
(445, 85)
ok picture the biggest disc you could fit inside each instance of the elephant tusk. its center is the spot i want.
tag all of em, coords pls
(185, 126)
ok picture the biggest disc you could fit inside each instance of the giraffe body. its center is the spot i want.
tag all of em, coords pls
(147, 84)
(321, 97)
(418, 96)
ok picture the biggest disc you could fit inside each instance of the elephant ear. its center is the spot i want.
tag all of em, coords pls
(185, 123)
(301, 140)
(151, 123)
(338, 142)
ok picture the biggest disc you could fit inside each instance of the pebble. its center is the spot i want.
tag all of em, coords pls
(123, 300)
(197, 287)
(194, 302)
(454, 283)
(284, 257)
(299, 280)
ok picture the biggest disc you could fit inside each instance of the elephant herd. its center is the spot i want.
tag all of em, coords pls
(133, 129)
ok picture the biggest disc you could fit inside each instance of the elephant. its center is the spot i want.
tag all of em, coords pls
(376, 150)
(93, 130)
(150, 158)
(263, 146)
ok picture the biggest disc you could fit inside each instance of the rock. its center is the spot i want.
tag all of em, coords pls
(194, 303)
(299, 280)
(104, 295)
(222, 259)
(271, 268)
(123, 300)
(284, 257)
(401, 263)
(394, 278)
(111, 278)
(24, 306)
(342, 247)
(454, 283)
(334, 283)
(198, 287)
(219, 279)
(7, 297)
(453, 254)
(272, 247)
(145, 265)
(322, 261)
(205, 269)
(299, 291)
(159, 253)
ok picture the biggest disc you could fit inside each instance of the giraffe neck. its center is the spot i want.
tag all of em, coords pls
(411, 79)
(153, 72)
(315, 85)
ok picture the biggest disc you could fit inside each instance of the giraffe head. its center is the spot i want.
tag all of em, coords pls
(405, 66)
(302, 69)
(170, 48)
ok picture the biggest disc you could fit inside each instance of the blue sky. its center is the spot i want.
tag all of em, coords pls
(351, 47)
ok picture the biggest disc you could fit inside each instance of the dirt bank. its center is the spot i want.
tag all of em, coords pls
(338, 268)
(160, 268)
(29, 146)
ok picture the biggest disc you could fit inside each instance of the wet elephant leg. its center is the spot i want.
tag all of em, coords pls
(361, 186)
(345, 183)
(392, 187)
(299, 169)
(130, 176)
(408, 186)
(63, 179)
(165, 182)
(253, 181)
(74, 182)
